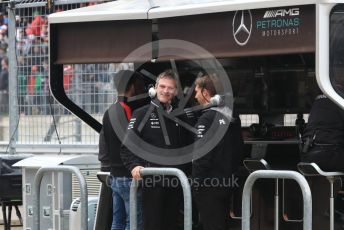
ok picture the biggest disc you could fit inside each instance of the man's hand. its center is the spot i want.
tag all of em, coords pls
(135, 173)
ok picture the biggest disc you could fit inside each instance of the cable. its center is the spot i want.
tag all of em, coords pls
(14, 132)
(53, 114)
(12, 7)
(54, 122)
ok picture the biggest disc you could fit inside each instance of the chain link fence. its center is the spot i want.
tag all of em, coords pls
(43, 123)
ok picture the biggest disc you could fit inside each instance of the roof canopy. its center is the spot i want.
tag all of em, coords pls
(109, 32)
(153, 9)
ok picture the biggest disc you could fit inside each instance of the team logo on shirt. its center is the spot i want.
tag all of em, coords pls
(155, 124)
(154, 121)
(131, 123)
(200, 131)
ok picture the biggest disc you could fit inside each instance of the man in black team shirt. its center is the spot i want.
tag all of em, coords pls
(110, 145)
(323, 144)
(160, 202)
(213, 173)
(323, 138)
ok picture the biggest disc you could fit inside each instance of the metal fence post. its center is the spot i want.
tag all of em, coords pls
(83, 193)
(165, 172)
(133, 204)
(13, 79)
(78, 100)
(277, 174)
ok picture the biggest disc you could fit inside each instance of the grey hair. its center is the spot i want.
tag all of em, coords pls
(166, 74)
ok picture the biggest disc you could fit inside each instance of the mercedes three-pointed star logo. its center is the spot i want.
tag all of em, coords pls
(242, 26)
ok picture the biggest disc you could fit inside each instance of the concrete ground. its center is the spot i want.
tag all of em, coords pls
(14, 219)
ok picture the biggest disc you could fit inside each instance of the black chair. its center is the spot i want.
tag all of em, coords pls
(312, 169)
(251, 166)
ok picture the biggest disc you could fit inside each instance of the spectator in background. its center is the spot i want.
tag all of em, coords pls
(4, 86)
(36, 54)
(3, 34)
(35, 89)
(67, 76)
(45, 87)
(5, 19)
(22, 83)
(45, 31)
(18, 21)
(3, 48)
(36, 25)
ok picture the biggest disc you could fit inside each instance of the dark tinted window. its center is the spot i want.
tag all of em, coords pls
(337, 48)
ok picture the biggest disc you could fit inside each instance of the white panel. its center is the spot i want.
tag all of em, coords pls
(93, 184)
(118, 10)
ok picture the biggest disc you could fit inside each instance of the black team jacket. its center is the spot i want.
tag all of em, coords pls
(152, 133)
(224, 158)
(110, 144)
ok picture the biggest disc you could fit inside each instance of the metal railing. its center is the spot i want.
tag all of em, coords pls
(83, 193)
(164, 172)
(277, 174)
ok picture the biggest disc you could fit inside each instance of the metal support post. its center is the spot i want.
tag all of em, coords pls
(133, 204)
(164, 172)
(13, 79)
(277, 174)
(276, 206)
(331, 180)
(83, 193)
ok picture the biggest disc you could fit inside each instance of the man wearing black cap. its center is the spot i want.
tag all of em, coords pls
(110, 145)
